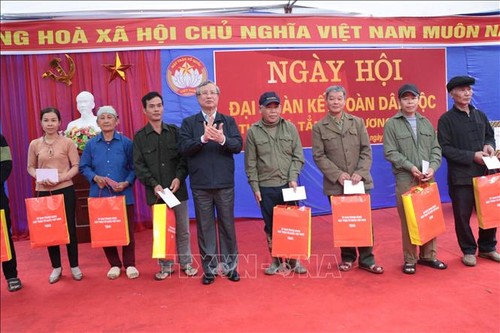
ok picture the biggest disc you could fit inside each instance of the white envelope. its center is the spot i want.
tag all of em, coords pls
(169, 198)
(425, 166)
(491, 162)
(290, 195)
(359, 188)
(47, 174)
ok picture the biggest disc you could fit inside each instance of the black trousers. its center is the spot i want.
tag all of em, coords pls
(9, 267)
(72, 247)
(216, 238)
(271, 196)
(462, 202)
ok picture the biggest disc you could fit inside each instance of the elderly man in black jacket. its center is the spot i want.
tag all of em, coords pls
(465, 136)
(208, 140)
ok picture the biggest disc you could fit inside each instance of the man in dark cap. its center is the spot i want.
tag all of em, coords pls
(273, 161)
(409, 139)
(466, 136)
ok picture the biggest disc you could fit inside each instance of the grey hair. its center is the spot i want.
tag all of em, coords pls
(331, 89)
(206, 83)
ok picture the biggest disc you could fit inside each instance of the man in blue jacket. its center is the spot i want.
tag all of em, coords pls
(208, 140)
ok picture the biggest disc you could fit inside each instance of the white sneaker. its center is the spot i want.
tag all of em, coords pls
(114, 272)
(132, 272)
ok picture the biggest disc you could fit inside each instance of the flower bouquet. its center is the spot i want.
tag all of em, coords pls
(80, 136)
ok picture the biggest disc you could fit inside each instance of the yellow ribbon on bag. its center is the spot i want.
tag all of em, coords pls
(6, 252)
(410, 216)
(424, 214)
(159, 230)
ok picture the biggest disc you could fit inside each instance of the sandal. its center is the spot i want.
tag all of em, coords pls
(436, 264)
(409, 268)
(190, 270)
(164, 273)
(345, 266)
(375, 269)
(14, 284)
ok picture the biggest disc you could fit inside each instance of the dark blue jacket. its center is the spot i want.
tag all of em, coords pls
(210, 165)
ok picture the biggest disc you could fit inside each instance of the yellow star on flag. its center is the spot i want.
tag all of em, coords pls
(117, 69)
(186, 68)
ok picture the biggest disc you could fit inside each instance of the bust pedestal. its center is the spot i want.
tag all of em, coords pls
(82, 188)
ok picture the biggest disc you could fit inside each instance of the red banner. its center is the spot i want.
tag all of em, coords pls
(371, 77)
(44, 36)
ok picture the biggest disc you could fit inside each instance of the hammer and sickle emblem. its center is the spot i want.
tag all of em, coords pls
(61, 75)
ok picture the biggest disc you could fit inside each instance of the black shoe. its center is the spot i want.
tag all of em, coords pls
(208, 279)
(233, 276)
(14, 284)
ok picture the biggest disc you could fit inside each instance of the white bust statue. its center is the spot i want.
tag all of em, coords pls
(85, 104)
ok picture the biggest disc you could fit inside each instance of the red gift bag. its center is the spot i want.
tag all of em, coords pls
(108, 221)
(487, 197)
(352, 220)
(424, 214)
(164, 245)
(291, 232)
(47, 220)
(6, 253)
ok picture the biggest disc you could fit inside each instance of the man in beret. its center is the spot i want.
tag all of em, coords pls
(466, 136)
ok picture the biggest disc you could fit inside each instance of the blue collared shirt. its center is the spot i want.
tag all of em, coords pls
(111, 159)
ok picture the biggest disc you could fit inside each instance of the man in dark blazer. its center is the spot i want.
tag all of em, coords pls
(208, 140)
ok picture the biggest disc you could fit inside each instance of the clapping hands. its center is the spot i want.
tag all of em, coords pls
(213, 132)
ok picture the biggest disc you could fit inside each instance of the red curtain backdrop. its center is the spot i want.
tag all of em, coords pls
(21, 74)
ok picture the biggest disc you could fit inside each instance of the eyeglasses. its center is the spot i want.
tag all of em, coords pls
(207, 93)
